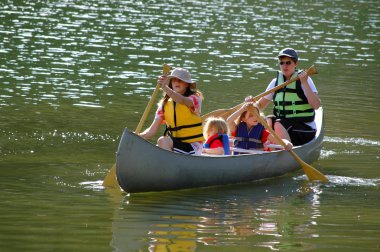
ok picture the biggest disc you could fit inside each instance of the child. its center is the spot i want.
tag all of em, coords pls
(180, 109)
(216, 132)
(249, 133)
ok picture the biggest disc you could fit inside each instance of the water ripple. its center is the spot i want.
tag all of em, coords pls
(95, 34)
(335, 181)
(349, 181)
(62, 60)
(352, 140)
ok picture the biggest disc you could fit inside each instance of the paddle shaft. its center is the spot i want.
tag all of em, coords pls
(165, 70)
(311, 71)
(147, 109)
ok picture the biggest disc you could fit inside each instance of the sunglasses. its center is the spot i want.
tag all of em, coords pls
(285, 62)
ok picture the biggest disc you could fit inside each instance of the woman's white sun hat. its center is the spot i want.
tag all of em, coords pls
(184, 76)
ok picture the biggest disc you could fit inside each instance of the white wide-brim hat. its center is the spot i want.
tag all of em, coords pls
(184, 76)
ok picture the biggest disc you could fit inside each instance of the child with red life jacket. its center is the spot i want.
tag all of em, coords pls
(216, 132)
(249, 133)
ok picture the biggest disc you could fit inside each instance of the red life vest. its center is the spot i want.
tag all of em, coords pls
(223, 138)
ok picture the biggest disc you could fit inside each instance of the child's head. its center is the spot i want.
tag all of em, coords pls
(249, 118)
(215, 125)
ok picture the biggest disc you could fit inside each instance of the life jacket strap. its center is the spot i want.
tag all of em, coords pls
(247, 139)
(288, 103)
(184, 127)
(189, 137)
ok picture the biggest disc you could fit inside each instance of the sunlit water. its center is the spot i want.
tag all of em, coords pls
(75, 73)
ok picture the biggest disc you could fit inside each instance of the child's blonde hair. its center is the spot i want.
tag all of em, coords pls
(218, 123)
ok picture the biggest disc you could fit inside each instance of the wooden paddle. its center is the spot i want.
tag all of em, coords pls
(225, 113)
(110, 180)
(311, 172)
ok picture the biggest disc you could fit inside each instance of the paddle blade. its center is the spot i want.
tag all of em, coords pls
(312, 173)
(312, 70)
(166, 69)
(110, 180)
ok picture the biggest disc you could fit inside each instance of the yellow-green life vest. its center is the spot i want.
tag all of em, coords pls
(291, 102)
(182, 123)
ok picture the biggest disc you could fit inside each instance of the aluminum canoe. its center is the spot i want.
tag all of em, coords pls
(143, 167)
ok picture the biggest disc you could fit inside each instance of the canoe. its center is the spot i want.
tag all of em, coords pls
(143, 167)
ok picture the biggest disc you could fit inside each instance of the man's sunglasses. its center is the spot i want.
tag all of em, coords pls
(285, 62)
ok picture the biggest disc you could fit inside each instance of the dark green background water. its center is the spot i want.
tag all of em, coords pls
(73, 74)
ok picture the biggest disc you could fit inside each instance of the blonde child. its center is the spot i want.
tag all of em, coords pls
(216, 132)
(249, 133)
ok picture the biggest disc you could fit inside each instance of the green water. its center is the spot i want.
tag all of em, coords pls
(75, 73)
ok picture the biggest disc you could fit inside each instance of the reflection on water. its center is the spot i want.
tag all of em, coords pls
(37, 144)
(264, 215)
(82, 52)
(94, 185)
(281, 215)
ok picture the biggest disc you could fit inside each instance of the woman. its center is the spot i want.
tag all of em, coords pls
(180, 109)
(294, 105)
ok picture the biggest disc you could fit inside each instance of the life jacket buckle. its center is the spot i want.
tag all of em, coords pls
(294, 107)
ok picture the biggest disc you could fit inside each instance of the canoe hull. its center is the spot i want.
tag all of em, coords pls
(144, 167)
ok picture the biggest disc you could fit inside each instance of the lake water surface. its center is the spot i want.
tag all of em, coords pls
(75, 73)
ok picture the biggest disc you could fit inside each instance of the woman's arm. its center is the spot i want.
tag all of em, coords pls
(152, 130)
(163, 81)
